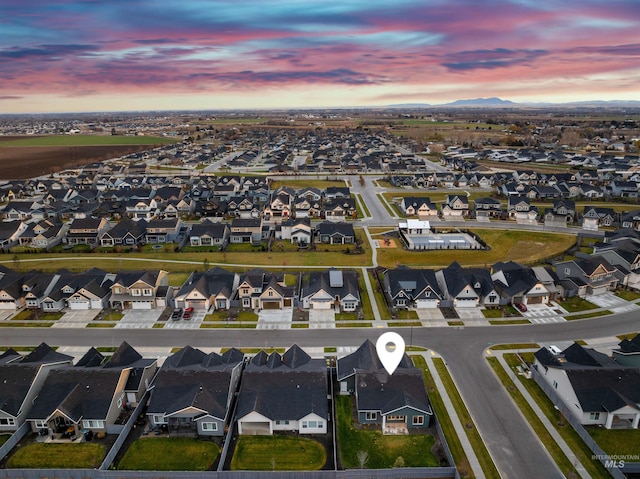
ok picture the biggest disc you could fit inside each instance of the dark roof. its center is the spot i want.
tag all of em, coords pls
(457, 278)
(630, 346)
(268, 379)
(412, 282)
(16, 379)
(91, 358)
(9, 356)
(388, 393)
(365, 359)
(605, 389)
(335, 228)
(210, 283)
(44, 354)
(123, 357)
(575, 357)
(323, 281)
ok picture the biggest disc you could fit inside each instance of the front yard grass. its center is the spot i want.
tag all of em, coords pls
(85, 455)
(359, 324)
(170, 454)
(36, 315)
(247, 316)
(577, 304)
(506, 322)
(278, 453)
(628, 295)
(617, 442)
(4, 438)
(407, 314)
(383, 451)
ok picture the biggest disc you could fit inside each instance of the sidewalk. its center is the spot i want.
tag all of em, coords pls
(543, 418)
(455, 420)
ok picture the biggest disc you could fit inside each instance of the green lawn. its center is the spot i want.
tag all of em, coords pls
(87, 140)
(383, 451)
(85, 455)
(617, 442)
(486, 463)
(628, 295)
(278, 453)
(407, 314)
(247, 316)
(4, 438)
(170, 454)
(577, 304)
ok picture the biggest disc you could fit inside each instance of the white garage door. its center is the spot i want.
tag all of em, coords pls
(79, 305)
(426, 303)
(465, 303)
(321, 305)
(140, 305)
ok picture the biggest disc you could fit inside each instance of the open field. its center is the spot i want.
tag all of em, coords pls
(22, 157)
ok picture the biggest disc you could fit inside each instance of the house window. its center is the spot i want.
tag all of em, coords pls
(209, 426)
(555, 384)
(40, 424)
(89, 424)
(567, 271)
(159, 419)
(246, 302)
(395, 418)
(7, 421)
(310, 424)
(594, 416)
(282, 422)
(135, 292)
(371, 416)
(417, 420)
(401, 302)
(117, 290)
(270, 293)
(146, 292)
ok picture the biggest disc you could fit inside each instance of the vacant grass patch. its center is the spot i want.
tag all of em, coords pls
(506, 322)
(361, 324)
(407, 314)
(346, 316)
(577, 304)
(88, 140)
(455, 323)
(170, 454)
(231, 324)
(503, 347)
(628, 295)
(399, 324)
(101, 325)
(278, 453)
(4, 438)
(382, 450)
(247, 316)
(85, 455)
(618, 442)
(595, 314)
(492, 313)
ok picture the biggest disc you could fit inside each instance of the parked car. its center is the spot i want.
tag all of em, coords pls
(521, 306)
(177, 314)
(187, 313)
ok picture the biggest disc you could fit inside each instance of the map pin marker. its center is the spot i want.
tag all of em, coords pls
(390, 349)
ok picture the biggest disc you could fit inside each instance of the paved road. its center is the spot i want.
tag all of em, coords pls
(514, 448)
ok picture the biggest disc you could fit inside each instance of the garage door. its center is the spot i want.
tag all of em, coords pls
(271, 305)
(426, 303)
(321, 305)
(199, 304)
(536, 300)
(79, 305)
(140, 305)
(466, 303)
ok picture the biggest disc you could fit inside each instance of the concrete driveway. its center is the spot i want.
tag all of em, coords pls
(612, 302)
(76, 318)
(431, 317)
(139, 319)
(275, 319)
(322, 319)
(193, 323)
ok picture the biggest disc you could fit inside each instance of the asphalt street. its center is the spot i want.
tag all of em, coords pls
(514, 447)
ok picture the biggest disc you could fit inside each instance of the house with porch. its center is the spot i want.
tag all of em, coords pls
(213, 289)
(139, 290)
(208, 233)
(467, 287)
(259, 289)
(92, 396)
(22, 378)
(412, 288)
(331, 289)
(518, 284)
(125, 233)
(330, 232)
(588, 276)
(284, 393)
(593, 387)
(193, 392)
(455, 205)
(397, 403)
(86, 231)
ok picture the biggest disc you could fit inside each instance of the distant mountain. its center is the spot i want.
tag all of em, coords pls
(493, 101)
(410, 105)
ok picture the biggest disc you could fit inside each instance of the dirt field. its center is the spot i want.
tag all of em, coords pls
(30, 161)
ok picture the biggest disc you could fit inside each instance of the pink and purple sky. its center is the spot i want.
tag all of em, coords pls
(109, 55)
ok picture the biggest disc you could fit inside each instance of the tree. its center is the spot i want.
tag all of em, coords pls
(363, 457)
(399, 462)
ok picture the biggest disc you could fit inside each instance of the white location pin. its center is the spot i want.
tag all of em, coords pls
(390, 349)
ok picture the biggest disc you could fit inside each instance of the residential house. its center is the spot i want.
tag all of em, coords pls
(193, 392)
(10, 232)
(21, 379)
(487, 207)
(246, 230)
(397, 402)
(519, 208)
(593, 217)
(270, 378)
(339, 209)
(258, 289)
(11, 295)
(628, 352)
(518, 284)
(418, 206)
(565, 208)
(412, 288)
(139, 290)
(630, 219)
(213, 289)
(331, 289)
(587, 276)
(591, 386)
(91, 396)
(125, 233)
(456, 205)
(209, 234)
(625, 256)
(86, 231)
(298, 231)
(467, 287)
(163, 231)
(89, 290)
(329, 232)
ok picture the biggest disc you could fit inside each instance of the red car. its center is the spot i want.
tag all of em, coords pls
(187, 313)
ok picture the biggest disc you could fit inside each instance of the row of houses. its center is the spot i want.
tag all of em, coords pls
(98, 232)
(505, 283)
(596, 389)
(193, 392)
(214, 289)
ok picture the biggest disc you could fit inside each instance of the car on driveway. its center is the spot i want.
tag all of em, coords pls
(177, 314)
(187, 313)
(522, 307)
